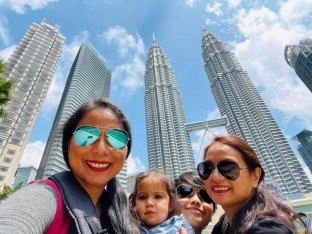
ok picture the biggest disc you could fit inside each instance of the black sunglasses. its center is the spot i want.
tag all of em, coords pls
(228, 169)
(185, 190)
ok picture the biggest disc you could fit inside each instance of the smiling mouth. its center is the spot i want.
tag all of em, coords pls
(220, 189)
(98, 165)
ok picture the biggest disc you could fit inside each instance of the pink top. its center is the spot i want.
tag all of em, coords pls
(62, 220)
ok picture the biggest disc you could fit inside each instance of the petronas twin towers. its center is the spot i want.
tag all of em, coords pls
(169, 146)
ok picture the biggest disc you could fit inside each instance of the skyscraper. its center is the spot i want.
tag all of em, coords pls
(305, 148)
(169, 145)
(31, 67)
(299, 57)
(89, 79)
(249, 117)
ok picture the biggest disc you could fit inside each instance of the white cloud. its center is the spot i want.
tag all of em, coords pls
(234, 3)
(20, 6)
(262, 55)
(129, 75)
(190, 2)
(293, 11)
(126, 43)
(214, 8)
(4, 30)
(33, 154)
(6, 52)
(210, 22)
(57, 85)
(134, 164)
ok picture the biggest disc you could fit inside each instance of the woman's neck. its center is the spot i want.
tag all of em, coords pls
(95, 194)
(231, 211)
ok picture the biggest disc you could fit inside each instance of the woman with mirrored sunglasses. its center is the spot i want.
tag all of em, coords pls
(88, 198)
(193, 200)
(232, 173)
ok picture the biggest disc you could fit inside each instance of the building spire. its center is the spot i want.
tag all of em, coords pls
(154, 40)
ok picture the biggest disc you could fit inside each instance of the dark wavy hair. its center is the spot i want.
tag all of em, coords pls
(115, 207)
(263, 204)
(164, 180)
(192, 178)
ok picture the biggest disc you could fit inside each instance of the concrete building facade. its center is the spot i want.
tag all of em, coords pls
(31, 67)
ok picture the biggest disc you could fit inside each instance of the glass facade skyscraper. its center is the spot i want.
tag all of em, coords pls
(249, 117)
(300, 58)
(31, 67)
(169, 145)
(88, 79)
(305, 148)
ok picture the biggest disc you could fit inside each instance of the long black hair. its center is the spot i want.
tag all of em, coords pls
(115, 207)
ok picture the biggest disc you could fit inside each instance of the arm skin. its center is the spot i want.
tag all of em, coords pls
(29, 210)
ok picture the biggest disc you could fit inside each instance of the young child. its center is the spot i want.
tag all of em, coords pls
(153, 203)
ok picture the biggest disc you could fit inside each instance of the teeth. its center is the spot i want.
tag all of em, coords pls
(98, 165)
(221, 188)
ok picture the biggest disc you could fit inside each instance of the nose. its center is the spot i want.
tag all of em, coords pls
(195, 199)
(101, 146)
(215, 175)
(149, 203)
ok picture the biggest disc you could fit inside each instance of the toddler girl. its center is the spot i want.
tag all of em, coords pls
(153, 203)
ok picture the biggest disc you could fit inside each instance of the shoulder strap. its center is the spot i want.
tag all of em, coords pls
(62, 221)
(78, 203)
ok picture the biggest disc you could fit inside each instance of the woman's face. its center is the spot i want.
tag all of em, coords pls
(230, 194)
(96, 164)
(197, 212)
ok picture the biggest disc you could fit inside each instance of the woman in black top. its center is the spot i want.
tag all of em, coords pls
(232, 173)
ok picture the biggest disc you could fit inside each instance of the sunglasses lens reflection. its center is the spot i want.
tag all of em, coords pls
(204, 196)
(229, 170)
(117, 138)
(205, 169)
(86, 135)
(184, 190)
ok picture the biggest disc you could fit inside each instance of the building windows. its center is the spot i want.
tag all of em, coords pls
(10, 152)
(7, 160)
(4, 169)
(2, 178)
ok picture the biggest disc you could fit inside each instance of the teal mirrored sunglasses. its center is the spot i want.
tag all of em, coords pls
(86, 135)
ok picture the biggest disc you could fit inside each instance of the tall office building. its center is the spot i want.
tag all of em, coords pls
(299, 57)
(31, 67)
(169, 145)
(305, 148)
(24, 175)
(89, 79)
(249, 117)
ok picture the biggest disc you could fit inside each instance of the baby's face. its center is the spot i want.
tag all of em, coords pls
(152, 202)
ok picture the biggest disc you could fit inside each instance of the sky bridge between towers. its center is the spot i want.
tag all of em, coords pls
(207, 124)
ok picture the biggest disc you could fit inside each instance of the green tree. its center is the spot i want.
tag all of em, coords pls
(5, 90)
(8, 191)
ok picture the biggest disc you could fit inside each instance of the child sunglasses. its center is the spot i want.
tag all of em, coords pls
(185, 190)
(228, 169)
(86, 135)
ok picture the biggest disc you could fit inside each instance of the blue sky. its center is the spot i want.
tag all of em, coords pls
(122, 32)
